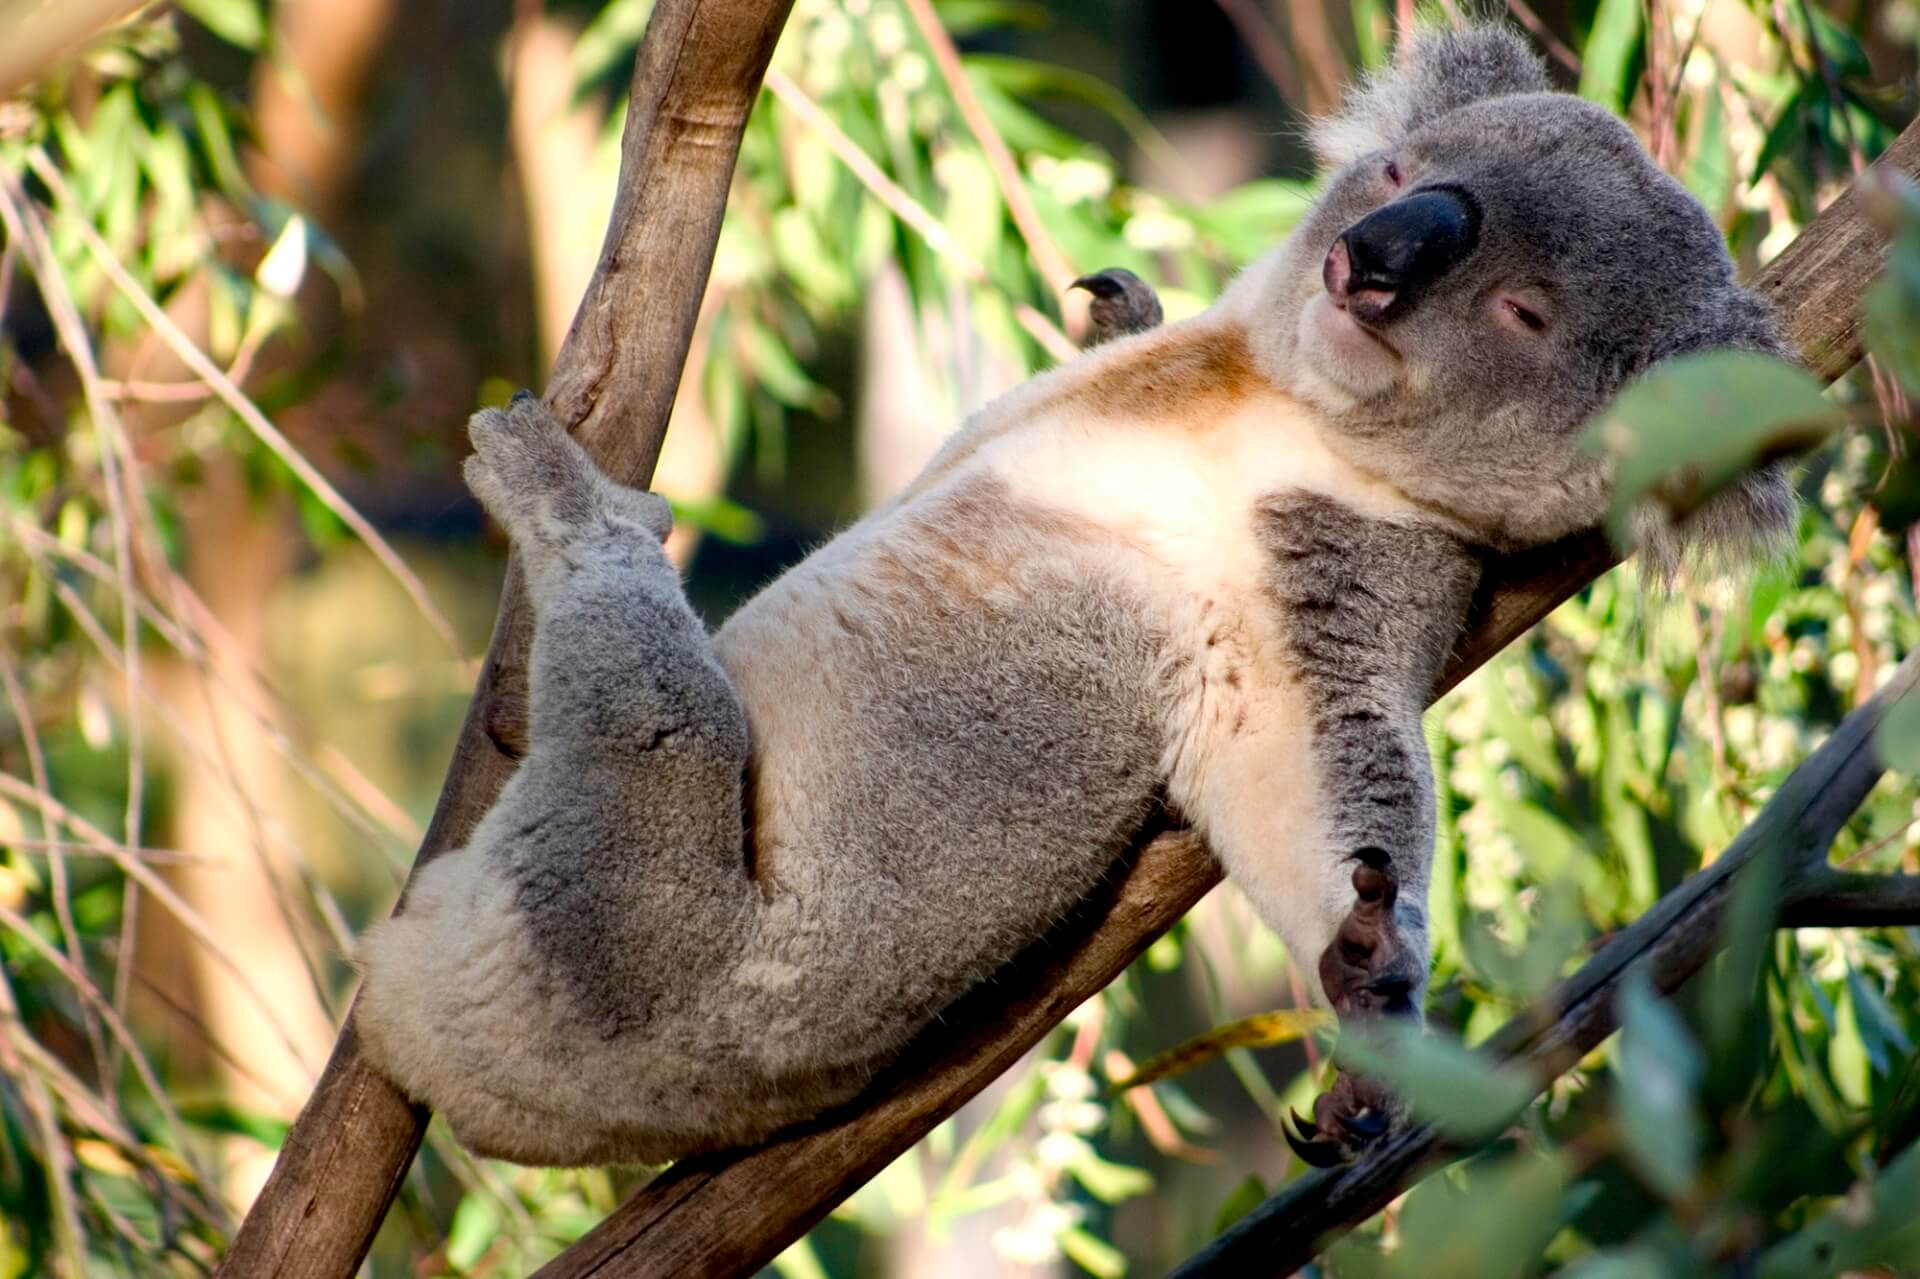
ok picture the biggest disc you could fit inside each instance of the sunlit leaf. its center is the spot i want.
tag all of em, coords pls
(1897, 737)
(1107, 1181)
(1493, 1229)
(1876, 1226)
(612, 34)
(476, 1223)
(1262, 1030)
(1092, 1254)
(238, 22)
(1246, 1196)
(1609, 63)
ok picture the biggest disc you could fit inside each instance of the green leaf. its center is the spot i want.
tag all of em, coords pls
(1106, 1181)
(1747, 935)
(1462, 1093)
(610, 37)
(964, 18)
(1692, 425)
(1493, 1229)
(1608, 64)
(476, 1222)
(225, 1117)
(238, 22)
(1246, 1196)
(1876, 1228)
(1896, 739)
(1094, 1255)
(1880, 1031)
(1628, 1263)
(1658, 1078)
(800, 1261)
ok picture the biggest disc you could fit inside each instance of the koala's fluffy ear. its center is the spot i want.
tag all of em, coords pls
(1753, 519)
(1443, 70)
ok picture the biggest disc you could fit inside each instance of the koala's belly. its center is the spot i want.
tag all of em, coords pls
(957, 725)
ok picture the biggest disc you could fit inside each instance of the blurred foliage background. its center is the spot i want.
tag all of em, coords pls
(261, 260)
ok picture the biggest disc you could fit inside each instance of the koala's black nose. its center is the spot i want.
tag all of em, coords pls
(1396, 252)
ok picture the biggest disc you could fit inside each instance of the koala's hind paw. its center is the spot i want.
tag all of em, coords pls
(541, 485)
(1368, 971)
(1123, 303)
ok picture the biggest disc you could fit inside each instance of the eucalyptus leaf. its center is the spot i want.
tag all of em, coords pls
(1896, 739)
(1658, 1080)
(238, 22)
(1458, 1091)
(1693, 424)
(1609, 63)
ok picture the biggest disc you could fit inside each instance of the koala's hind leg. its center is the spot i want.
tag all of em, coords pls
(549, 987)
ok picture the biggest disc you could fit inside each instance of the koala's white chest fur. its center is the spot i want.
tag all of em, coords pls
(1144, 468)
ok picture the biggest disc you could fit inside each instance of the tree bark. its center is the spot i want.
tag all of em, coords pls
(696, 78)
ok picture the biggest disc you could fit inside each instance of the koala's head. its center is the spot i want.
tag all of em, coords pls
(1490, 264)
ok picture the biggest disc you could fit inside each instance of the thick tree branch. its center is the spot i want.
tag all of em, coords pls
(730, 1214)
(696, 78)
(1670, 943)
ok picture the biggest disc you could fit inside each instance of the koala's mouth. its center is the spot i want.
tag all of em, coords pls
(1343, 325)
(1355, 308)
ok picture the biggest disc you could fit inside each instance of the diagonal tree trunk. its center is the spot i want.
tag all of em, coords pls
(698, 72)
(696, 78)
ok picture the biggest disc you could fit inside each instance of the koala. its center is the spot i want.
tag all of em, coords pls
(1214, 565)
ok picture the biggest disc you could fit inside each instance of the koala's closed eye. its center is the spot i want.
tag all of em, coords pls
(1522, 313)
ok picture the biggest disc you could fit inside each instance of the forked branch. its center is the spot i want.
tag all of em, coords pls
(1669, 944)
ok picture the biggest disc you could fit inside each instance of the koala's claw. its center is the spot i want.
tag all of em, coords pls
(1347, 1118)
(1123, 303)
(1312, 1148)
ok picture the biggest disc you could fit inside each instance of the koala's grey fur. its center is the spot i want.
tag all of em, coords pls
(1216, 565)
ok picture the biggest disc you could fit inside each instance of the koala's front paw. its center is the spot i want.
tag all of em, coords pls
(1370, 970)
(540, 484)
(1348, 1117)
(1123, 303)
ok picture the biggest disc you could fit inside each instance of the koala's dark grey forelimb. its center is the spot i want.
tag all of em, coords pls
(1368, 610)
(1123, 304)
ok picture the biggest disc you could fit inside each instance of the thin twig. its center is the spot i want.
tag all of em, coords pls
(1556, 47)
(1269, 51)
(58, 892)
(234, 398)
(116, 467)
(355, 799)
(85, 988)
(909, 210)
(1054, 266)
(220, 760)
(175, 905)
